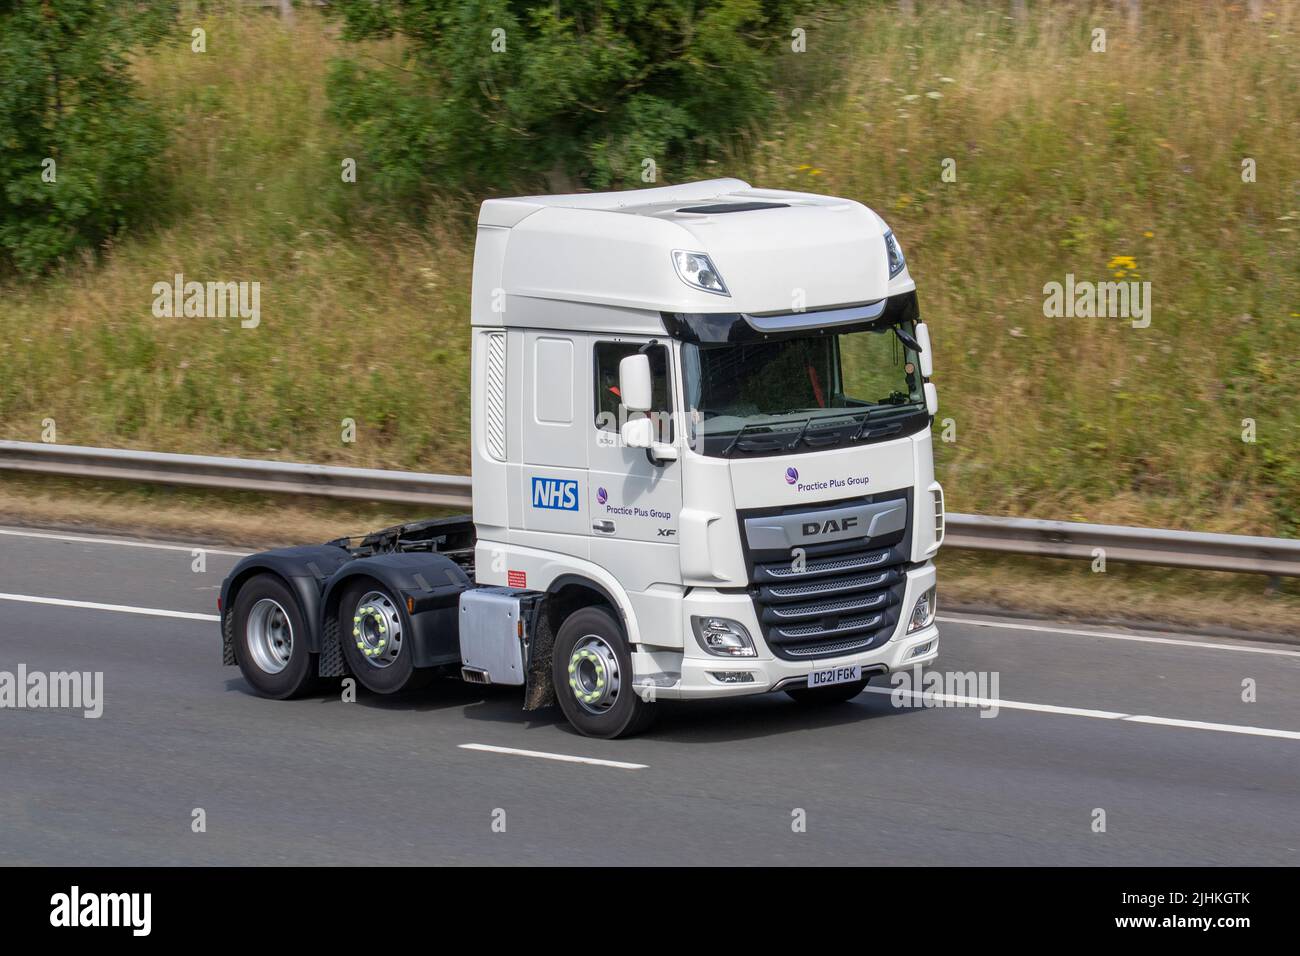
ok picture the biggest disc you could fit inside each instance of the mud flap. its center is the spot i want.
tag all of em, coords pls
(539, 691)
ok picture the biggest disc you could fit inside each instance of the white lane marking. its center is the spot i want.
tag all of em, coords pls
(1142, 638)
(123, 608)
(920, 696)
(1204, 725)
(914, 695)
(567, 758)
(86, 539)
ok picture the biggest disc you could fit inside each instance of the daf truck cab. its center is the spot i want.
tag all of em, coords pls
(702, 468)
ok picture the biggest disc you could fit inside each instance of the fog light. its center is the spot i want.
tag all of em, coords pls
(921, 649)
(923, 613)
(723, 637)
(732, 677)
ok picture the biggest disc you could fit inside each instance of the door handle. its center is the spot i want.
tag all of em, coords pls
(603, 526)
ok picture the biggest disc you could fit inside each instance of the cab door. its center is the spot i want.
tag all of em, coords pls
(552, 477)
(634, 502)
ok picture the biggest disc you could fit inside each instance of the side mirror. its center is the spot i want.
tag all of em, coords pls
(931, 399)
(634, 383)
(637, 432)
(927, 354)
(662, 452)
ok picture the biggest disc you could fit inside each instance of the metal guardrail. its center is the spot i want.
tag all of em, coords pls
(1176, 549)
(1026, 536)
(236, 474)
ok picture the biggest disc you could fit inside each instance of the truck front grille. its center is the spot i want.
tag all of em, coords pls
(830, 600)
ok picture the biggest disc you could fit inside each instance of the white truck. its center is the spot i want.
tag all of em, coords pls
(701, 468)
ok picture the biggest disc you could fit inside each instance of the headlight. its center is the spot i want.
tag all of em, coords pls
(697, 271)
(896, 261)
(923, 613)
(722, 637)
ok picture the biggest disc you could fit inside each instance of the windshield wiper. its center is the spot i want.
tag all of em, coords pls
(799, 437)
(907, 339)
(883, 430)
(772, 444)
(726, 452)
(824, 440)
(802, 436)
(866, 420)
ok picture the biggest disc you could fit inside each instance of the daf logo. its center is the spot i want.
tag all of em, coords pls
(813, 528)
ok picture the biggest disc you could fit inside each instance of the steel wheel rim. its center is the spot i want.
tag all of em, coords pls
(594, 677)
(377, 629)
(269, 636)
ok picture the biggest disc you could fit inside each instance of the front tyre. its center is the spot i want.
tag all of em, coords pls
(271, 646)
(375, 633)
(592, 670)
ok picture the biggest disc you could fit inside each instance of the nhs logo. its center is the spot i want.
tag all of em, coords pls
(557, 493)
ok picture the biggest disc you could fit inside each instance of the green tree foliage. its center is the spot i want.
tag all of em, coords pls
(542, 93)
(76, 144)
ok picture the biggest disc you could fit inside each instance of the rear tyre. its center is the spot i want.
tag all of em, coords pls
(271, 640)
(834, 694)
(375, 634)
(592, 670)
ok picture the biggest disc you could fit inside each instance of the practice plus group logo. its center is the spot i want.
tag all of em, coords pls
(791, 475)
(602, 496)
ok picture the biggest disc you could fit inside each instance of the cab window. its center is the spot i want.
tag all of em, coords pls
(608, 400)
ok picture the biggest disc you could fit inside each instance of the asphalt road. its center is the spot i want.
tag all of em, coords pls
(1149, 728)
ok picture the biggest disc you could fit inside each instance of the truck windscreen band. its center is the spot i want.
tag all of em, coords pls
(713, 327)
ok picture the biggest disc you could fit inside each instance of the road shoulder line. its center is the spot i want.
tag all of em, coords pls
(1114, 636)
(119, 608)
(565, 758)
(990, 704)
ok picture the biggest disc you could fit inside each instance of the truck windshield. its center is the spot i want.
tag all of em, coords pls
(803, 391)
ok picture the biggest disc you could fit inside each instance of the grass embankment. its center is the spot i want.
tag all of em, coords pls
(361, 318)
(1065, 160)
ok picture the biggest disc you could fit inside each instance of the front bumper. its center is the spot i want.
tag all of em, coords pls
(693, 674)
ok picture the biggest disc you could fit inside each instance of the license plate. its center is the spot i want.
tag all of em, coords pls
(835, 675)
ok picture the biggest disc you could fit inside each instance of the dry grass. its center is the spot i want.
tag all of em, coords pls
(1065, 159)
(359, 319)
(242, 519)
(1128, 595)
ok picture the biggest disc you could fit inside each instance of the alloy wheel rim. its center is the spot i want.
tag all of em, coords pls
(594, 677)
(377, 629)
(270, 636)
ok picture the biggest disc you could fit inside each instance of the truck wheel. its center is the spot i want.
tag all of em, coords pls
(834, 694)
(271, 643)
(592, 670)
(375, 635)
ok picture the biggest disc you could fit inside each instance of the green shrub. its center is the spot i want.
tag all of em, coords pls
(76, 144)
(523, 93)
